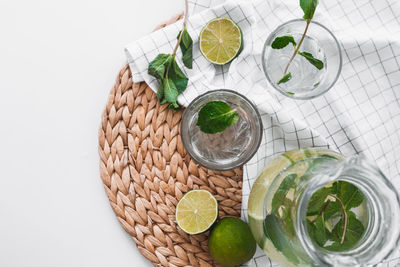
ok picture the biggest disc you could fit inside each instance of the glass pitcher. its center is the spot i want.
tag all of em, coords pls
(283, 196)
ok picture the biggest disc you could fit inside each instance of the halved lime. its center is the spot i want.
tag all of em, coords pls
(220, 41)
(196, 211)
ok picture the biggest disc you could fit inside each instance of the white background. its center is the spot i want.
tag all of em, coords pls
(58, 61)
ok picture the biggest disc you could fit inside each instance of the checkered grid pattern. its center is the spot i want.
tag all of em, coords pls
(359, 115)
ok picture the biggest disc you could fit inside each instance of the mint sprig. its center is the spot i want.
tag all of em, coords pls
(216, 116)
(165, 68)
(308, 7)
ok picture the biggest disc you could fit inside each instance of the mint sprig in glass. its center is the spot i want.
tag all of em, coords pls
(302, 58)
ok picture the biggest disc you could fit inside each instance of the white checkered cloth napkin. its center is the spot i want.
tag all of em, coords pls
(359, 115)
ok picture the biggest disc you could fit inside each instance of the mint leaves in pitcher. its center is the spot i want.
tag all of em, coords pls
(308, 7)
(165, 68)
(334, 216)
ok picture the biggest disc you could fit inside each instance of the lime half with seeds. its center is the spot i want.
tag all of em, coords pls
(196, 211)
(221, 41)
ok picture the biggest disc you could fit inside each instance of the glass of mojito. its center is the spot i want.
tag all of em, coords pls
(226, 149)
(315, 67)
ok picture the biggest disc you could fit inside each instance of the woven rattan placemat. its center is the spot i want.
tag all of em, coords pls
(145, 171)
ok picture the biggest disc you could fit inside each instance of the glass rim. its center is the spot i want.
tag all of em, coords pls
(234, 164)
(340, 60)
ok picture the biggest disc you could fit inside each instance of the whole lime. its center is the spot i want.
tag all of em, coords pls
(231, 242)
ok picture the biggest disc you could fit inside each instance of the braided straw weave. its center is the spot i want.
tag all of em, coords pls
(145, 171)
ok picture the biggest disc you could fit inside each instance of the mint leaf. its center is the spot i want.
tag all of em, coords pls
(354, 232)
(311, 229)
(321, 233)
(159, 65)
(280, 194)
(285, 78)
(317, 201)
(281, 242)
(350, 194)
(178, 77)
(283, 41)
(216, 116)
(308, 7)
(316, 62)
(170, 92)
(288, 221)
(334, 208)
(186, 46)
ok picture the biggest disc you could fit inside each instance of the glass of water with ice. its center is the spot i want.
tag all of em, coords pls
(228, 149)
(307, 81)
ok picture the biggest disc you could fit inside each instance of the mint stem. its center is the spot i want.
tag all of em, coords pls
(344, 217)
(297, 47)
(186, 15)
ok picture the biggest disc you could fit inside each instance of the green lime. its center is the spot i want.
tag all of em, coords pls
(220, 41)
(231, 242)
(196, 211)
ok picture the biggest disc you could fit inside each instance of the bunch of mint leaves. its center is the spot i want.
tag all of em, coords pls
(164, 67)
(325, 214)
(308, 7)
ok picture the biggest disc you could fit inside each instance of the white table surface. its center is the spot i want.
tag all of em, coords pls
(58, 61)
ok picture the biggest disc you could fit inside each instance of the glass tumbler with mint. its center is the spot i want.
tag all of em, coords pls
(312, 207)
(221, 129)
(301, 58)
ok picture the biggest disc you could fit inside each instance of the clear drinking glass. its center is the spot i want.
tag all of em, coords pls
(283, 234)
(307, 81)
(228, 149)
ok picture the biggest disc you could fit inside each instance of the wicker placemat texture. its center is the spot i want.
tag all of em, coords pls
(145, 171)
